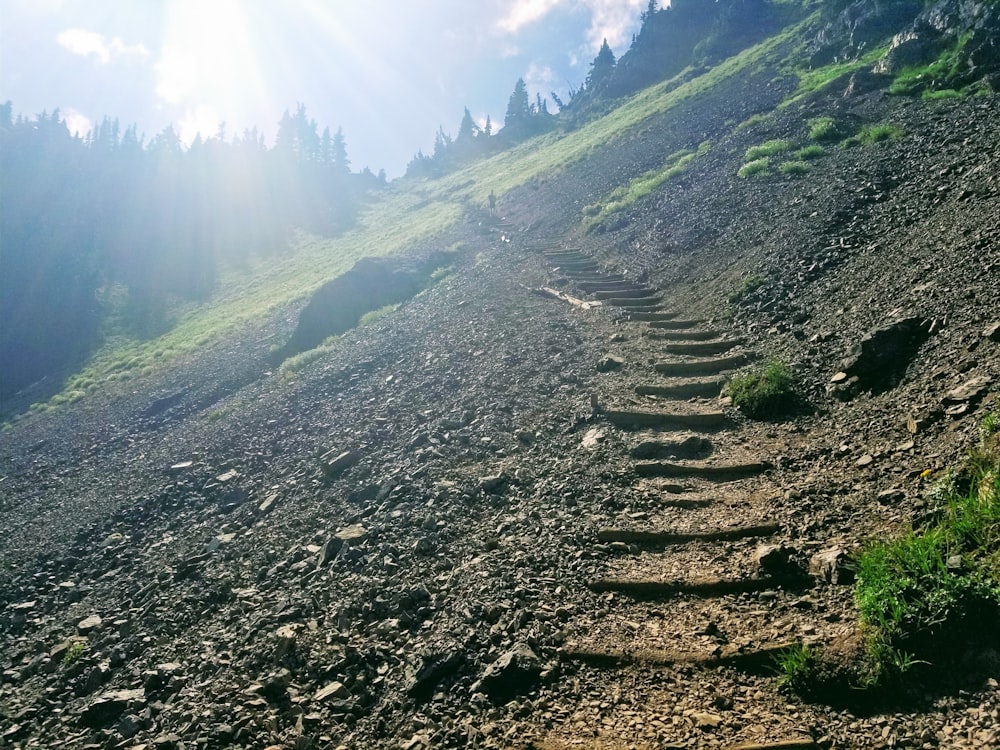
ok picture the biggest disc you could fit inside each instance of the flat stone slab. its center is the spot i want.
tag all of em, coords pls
(636, 292)
(694, 334)
(702, 348)
(762, 656)
(675, 325)
(668, 537)
(706, 388)
(667, 420)
(705, 587)
(711, 366)
(635, 301)
(647, 316)
(701, 470)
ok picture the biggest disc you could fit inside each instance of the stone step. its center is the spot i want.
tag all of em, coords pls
(643, 315)
(665, 538)
(639, 302)
(701, 348)
(692, 446)
(602, 285)
(701, 470)
(694, 334)
(587, 267)
(629, 311)
(641, 292)
(675, 324)
(595, 277)
(569, 258)
(708, 420)
(712, 366)
(804, 743)
(729, 656)
(700, 388)
(704, 587)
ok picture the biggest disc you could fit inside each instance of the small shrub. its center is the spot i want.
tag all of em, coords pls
(795, 666)
(766, 392)
(74, 652)
(794, 168)
(991, 423)
(824, 129)
(751, 121)
(300, 361)
(942, 94)
(874, 134)
(755, 168)
(810, 152)
(926, 596)
(592, 210)
(768, 148)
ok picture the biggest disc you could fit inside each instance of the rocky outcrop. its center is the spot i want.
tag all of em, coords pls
(338, 305)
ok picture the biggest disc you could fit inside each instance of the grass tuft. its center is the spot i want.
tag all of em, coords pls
(769, 148)
(765, 393)
(756, 168)
(810, 152)
(794, 168)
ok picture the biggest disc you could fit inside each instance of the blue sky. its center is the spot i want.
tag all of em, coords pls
(388, 73)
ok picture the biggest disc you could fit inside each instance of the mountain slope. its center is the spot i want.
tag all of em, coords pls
(405, 541)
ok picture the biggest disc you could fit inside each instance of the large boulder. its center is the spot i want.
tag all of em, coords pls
(877, 362)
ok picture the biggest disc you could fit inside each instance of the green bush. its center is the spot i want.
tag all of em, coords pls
(755, 168)
(793, 168)
(824, 129)
(795, 666)
(768, 148)
(942, 94)
(926, 596)
(766, 392)
(812, 151)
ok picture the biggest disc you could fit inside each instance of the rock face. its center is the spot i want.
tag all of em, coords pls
(513, 673)
(878, 361)
(338, 305)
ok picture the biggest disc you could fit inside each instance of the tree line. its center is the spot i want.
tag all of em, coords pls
(153, 219)
(684, 33)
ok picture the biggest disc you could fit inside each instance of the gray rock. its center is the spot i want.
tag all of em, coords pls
(609, 363)
(832, 565)
(992, 332)
(335, 463)
(514, 673)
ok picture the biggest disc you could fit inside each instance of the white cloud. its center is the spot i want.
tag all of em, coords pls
(539, 79)
(77, 123)
(86, 43)
(203, 120)
(177, 75)
(612, 20)
(524, 12)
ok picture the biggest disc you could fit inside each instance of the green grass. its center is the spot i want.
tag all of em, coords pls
(755, 168)
(407, 214)
(794, 168)
(768, 148)
(765, 392)
(942, 94)
(990, 424)
(752, 120)
(74, 652)
(926, 596)
(810, 152)
(794, 666)
(813, 80)
(922, 79)
(874, 134)
(624, 196)
(374, 315)
(824, 129)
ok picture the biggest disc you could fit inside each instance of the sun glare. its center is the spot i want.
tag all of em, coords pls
(209, 64)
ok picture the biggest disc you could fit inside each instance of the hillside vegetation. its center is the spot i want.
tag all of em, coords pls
(692, 444)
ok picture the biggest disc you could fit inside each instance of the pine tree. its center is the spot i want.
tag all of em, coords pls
(338, 157)
(488, 130)
(518, 108)
(601, 69)
(467, 129)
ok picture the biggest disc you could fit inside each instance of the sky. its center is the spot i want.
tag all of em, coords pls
(389, 73)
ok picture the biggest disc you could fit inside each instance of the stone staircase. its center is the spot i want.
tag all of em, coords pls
(663, 580)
